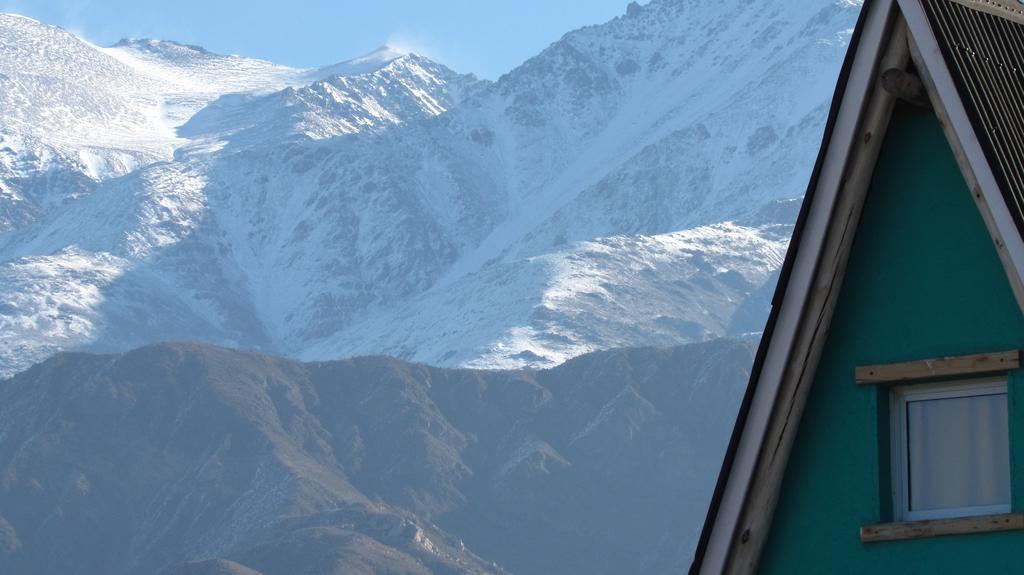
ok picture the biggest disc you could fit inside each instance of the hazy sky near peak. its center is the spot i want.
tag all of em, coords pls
(485, 37)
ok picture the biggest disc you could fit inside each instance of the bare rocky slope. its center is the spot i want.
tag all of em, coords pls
(188, 459)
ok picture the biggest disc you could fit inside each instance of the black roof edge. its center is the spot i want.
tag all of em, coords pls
(780, 290)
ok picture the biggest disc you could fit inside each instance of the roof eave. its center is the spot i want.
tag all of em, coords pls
(855, 80)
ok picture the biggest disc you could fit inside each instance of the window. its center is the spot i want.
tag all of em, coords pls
(951, 452)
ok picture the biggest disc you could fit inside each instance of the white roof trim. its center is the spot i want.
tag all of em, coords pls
(924, 38)
(851, 109)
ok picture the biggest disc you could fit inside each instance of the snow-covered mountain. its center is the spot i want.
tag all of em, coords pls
(633, 184)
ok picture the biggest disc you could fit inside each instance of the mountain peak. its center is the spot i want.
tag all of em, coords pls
(19, 24)
(365, 64)
(158, 46)
(384, 53)
(13, 16)
(12, 19)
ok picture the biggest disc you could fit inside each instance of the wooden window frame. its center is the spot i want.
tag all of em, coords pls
(947, 371)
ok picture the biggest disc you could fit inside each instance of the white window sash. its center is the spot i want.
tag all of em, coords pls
(899, 398)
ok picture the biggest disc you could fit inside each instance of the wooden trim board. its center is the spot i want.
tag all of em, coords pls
(782, 339)
(938, 367)
(939, 527)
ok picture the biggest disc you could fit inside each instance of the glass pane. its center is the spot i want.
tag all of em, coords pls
(959, 453)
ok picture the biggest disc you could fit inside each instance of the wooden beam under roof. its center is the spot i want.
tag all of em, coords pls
(1011, 9)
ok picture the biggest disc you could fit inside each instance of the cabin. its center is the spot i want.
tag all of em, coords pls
(882, 430)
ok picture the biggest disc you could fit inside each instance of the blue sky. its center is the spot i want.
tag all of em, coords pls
(486, 37)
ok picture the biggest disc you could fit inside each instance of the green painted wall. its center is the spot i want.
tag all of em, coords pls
(924, 281)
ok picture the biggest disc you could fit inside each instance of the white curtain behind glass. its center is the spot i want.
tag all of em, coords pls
(959, 454)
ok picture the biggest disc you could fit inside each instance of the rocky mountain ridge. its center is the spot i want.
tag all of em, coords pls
(191, 459)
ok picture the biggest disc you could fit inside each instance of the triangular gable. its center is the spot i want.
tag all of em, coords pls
(890, 34)
(924, 291)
